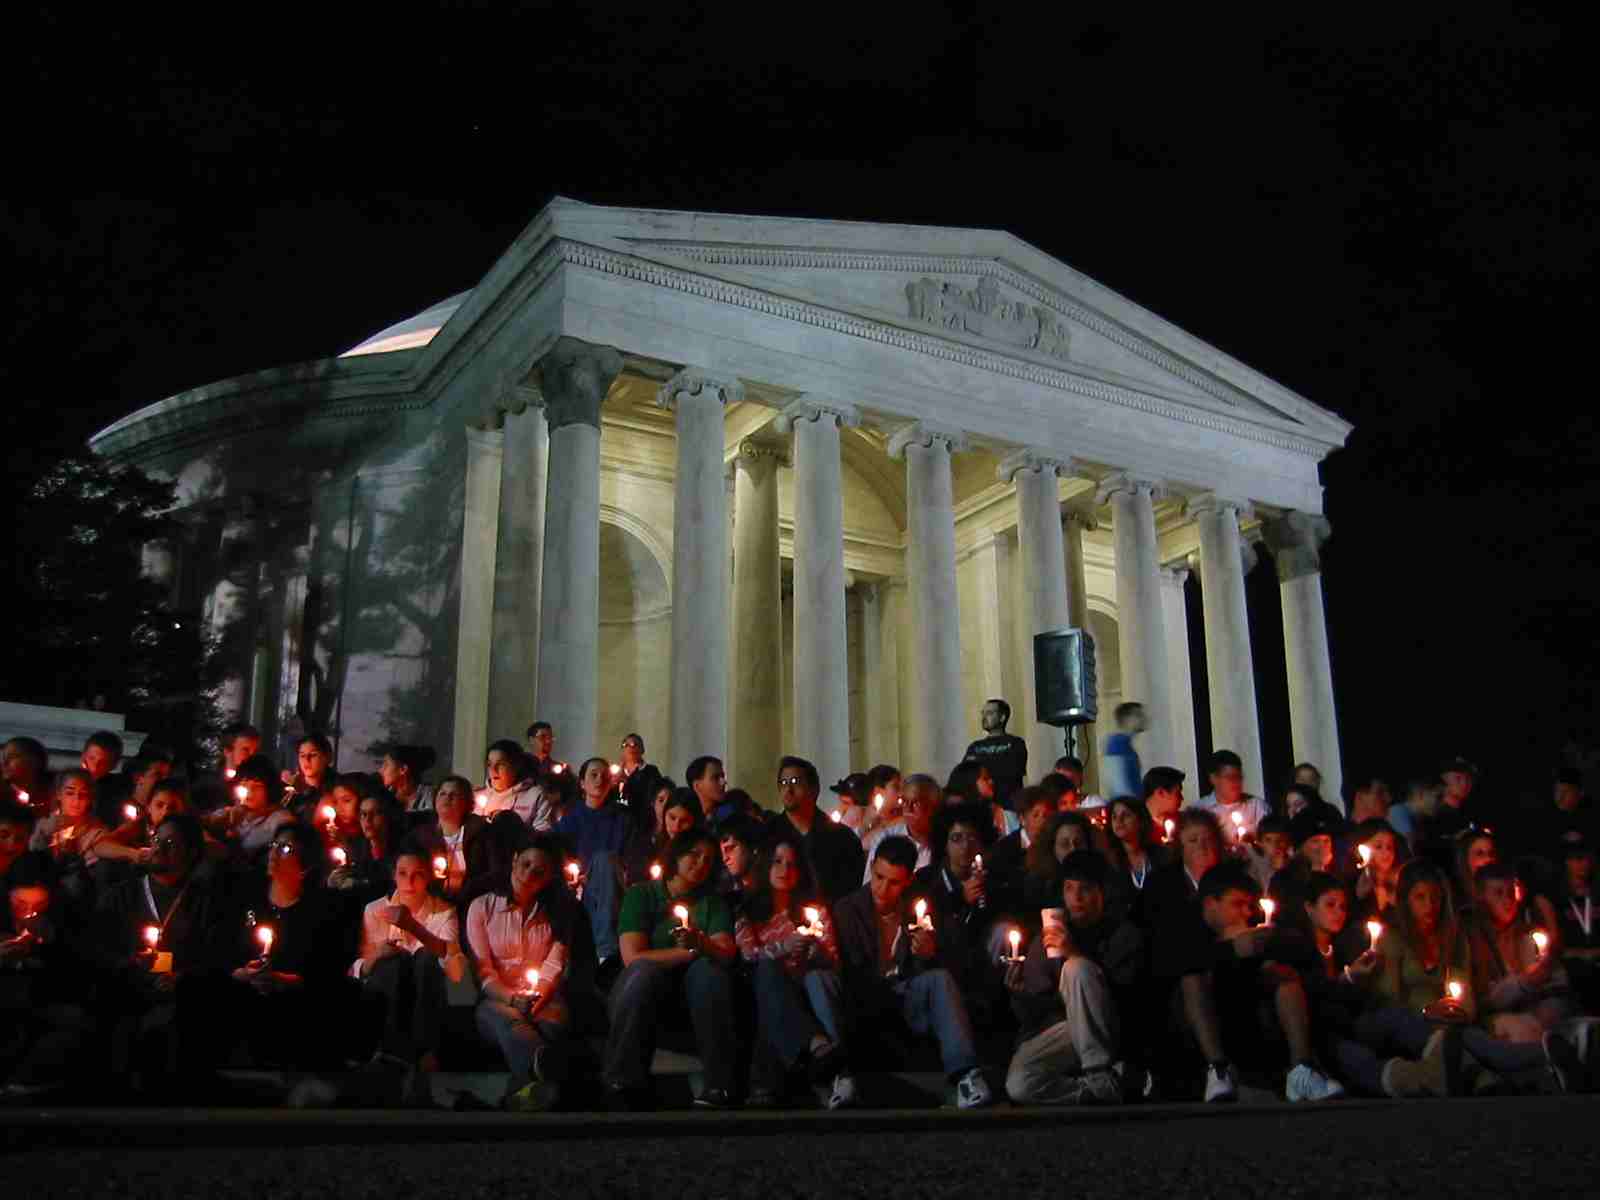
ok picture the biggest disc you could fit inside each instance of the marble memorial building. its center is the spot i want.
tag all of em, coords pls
(744, 484)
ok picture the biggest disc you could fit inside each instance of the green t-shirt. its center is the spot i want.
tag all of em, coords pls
(647, 909)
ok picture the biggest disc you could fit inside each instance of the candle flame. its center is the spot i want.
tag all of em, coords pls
(1238, 820)
(152, 935)
(1454, 989)
(264, 936)
(558, 768)
(812, 915)
(1170, 825)
(573, 871)
(23, 796)
(877, 801)
(1366, 853)
(1541, 939)
(480, 801)
(977, 862)
(1374, 931)
(229, 773)
(682, 913)
(655, 870)
(241, 792)
(339, 856)
(921, 909)
(326, 812)
(440, 865)
(1268, 906)
(835, 816)
(616, 769)
(532, 976)
(1016, 940)
(130, 812)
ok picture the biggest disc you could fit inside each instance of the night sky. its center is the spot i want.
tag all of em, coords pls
(1395, 220)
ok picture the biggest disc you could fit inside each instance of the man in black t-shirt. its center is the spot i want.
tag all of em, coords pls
(1005, 754)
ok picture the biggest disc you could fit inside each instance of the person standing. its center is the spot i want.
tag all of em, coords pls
(1124, 777)
(1005, 754)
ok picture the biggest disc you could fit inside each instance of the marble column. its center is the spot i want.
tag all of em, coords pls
(937, 717)
(1180, 685)
(757, 617)
(1075, 522)
(891, 686)
(1044, 572)
(821, 654)
(480, 523)
(699, 565)
(1141, 625)
(1229, 666)
(991, 563)
(575, 378)
(232, 612)
(1296, 542)
(518, 565)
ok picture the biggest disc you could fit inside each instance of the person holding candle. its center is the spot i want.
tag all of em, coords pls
(1070, 994)
(971, 783)
(133, 784)
(677, 943)
(213, 789)
(249, 824)
(796, 978)
(70, 835)
(286, 995)
(892, 976)
(957, 890)
(637, 779)
(1376, 883)
(25, 770)
(511, 785)
(130, 842)
(410, 944)
(674, 810)
(370, 870)
(16, 828)
(457, 835)
(529, 923)
(884, 782)
(921, 798)
(834, 853)
(1066, 833)
(304, 787)
(596, 830)
(1006, 860)
(1227, 797)
(1472, 850)
(855, 801)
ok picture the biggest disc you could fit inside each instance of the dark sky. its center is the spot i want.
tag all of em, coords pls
(1395, 217)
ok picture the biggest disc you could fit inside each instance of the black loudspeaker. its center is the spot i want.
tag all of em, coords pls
(1064, 677)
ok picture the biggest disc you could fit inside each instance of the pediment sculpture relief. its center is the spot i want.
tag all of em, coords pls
(983, 311)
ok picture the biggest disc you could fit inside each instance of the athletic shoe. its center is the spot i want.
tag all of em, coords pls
(1305, 1082)
(536, 1097)
(1222, 1084)
(844, 1091)
(1098, 1087)
(972, 1090)
(713, 1098)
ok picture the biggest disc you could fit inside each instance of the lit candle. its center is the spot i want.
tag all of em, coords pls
(877, 801)
(532, 976)
(682, 913)
(130, 812)
(1238, 824)
(1365, 851)
(229, 773)
(1170, 826)
(480, 801)
(1541, 939)
(327, 813)
(152, 936)
(339, 856)
(923, 920)
(1519, 891)
(813, 922)
(264, 936)
(241, 792)
(573, 871)
(655, 870)
(1374, 932)
(23, 797)
(977, 862)
(616, 769)
(836, 816)
(441, 864)
(1268, 907)
(558, 768)
(1015, 937)
(1454, 988)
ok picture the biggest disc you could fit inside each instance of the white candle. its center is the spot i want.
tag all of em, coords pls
(1015, 937)
(339, 856)
(923, 920)
(655, 870)
(1170, 825)
(1541, 939)
(327, 813)
(264, 936)
(441, 865)
(977, 862)
(1238, 824)
(682, 913)
(1454, 989)
(1374, 931)
(877, 801)
(130, 812)
(1268, 907)
(152, 935)
(1366, 854)
(241, 792)
(836, 816)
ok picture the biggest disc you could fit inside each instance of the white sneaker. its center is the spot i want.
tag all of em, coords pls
(972, 1090)
(844, 1092)
(1305, 1082)
(1222, 1086)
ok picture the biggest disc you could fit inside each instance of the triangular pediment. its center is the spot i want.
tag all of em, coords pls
(980, 288)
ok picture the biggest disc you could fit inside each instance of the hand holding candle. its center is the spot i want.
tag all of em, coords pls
(813, 925)
(681, 911)
(130, 812)
(340, 858)
(1365, 851)
(1374, 932)
(1268, 906)
(1015, 938)
(152, 936)
(1541, 941)
(264, 935)
(923, 921)
(1454, 990)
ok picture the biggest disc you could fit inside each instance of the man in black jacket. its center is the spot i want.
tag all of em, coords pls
(833, 850)
(1080, 976)
(957, 890)
(889, 967)
(1005, 754)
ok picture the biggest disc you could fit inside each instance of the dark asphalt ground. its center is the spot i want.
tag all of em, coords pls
(1499, 1148)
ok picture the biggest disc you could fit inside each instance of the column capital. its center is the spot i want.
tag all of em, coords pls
(751, 452)
(809, 406)
(926, 433)
(1175, 575)
(574, 379)
(1295, 540)
(1130, 483)
(1216, 502)
(1033, 460)
(520, 398)
(484, 441)
(1083, 518)
(695, 382)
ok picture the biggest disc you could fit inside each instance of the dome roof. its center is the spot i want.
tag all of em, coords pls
(413, 331)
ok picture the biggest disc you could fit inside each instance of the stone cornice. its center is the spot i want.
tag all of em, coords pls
(694, 382)
(1126, 481)
(812, 407)
(925, 433)
(1033, 460)
(612, 262)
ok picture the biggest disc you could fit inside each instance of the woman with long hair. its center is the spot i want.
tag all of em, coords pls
(796, 964)
(1066, 832)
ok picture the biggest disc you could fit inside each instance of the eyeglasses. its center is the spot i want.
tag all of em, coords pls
(791, 781)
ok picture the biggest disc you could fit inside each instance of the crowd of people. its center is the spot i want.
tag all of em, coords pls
(1149, 943)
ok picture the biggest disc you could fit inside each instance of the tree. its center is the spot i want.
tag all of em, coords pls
(87, 628)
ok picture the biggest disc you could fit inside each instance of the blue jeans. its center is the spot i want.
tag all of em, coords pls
(641, 991)
(931, 1004)
(504, 1026)
(602, 894)
(790, 1012)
